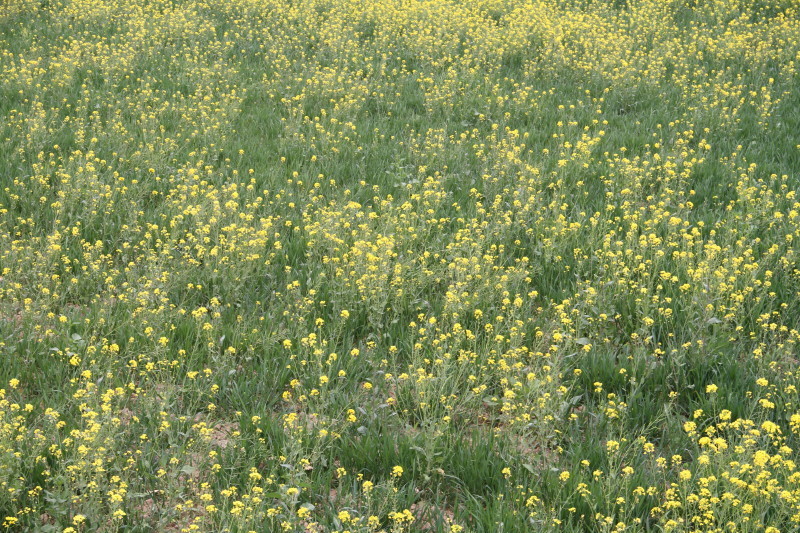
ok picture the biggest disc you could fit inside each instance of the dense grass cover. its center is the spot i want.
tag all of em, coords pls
(399, 265)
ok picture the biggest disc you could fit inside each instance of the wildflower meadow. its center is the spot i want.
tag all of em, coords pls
(437, 266)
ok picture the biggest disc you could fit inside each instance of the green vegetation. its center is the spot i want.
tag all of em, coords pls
(399, 265)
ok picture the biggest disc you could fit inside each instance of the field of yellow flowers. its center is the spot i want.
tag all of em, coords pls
(399, 265)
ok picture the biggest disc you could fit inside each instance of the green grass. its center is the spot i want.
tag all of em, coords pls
(257, 255)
